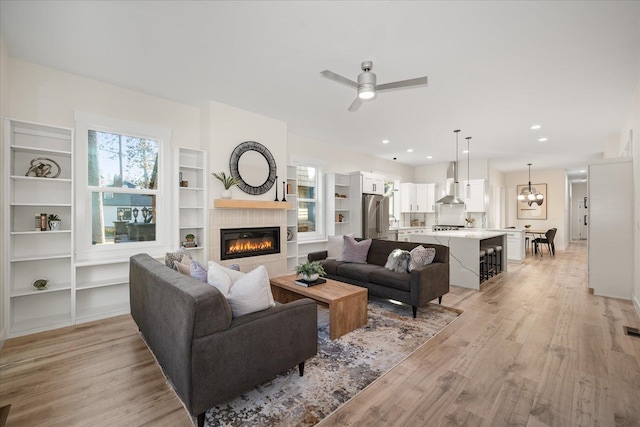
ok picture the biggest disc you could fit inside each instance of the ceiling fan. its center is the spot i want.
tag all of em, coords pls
(367, 87)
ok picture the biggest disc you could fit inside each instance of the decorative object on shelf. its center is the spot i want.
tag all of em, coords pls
(189, 237)
(43, 170)
(531, 200)
(469, 222)
(289, 235)
(38, 224)
(234, 166)
(54, 222)
(284, 192)
(310, 270)
(135, 214)
(40, 284)
(180, 179)
(184, 184)
(43, 222)
(227, 182)
(276, 199)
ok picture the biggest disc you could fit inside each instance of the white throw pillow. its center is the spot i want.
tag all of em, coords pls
(421, 256)
(250, 293)
(336, 245)
(222, 277)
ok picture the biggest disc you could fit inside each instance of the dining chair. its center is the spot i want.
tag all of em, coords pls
(547, 240)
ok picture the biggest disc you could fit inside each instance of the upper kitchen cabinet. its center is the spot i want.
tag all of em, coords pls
(474, 195)
(372, 183)
(417, 197)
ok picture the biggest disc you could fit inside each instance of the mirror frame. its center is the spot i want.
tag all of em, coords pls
(234, 167)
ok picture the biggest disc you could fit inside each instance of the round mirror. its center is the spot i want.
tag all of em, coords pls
(254, 167)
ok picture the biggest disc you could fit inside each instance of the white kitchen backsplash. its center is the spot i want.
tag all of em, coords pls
(451, 215)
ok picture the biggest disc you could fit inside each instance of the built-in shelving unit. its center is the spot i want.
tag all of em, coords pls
(43, 254)
(339, 201)
(292, 217)
(191, 180)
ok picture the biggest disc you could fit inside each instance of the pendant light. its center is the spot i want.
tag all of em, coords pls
(530, 195)
(468, 175)
(452, 199)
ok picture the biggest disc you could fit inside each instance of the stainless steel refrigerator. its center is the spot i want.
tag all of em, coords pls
(375, 216)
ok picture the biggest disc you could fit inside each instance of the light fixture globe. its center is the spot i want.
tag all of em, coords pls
(366, 91)
(521, 197)
(366, 82)
(530, 194)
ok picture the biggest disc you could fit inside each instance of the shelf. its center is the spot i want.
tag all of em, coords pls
(39, 233)
(38, 179)
(101, 312)
(182, 227)
(36, 150)
(249, 204)
(191, 188)
(33, 291)
(196, 248)
(53, 205)
(191, 168)
(40, 257)
(102, 283)
(40, 324)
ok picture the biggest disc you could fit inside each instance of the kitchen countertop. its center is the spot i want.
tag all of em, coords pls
(466, 233)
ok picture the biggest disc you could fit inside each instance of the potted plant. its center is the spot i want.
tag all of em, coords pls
(54, 222)
(227, 181)
(190, 237)
(310, 270)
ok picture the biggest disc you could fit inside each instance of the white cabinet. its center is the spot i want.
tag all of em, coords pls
(417, 197)
(191, 180)
(516, 250)
(474, 195)
(43, 254)
(372, 183)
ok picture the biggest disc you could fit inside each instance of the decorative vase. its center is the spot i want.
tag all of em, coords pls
(311, 278)
(226, 194)
(469, 225)
(54, 225)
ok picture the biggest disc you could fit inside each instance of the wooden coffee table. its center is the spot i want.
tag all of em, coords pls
(347, 303)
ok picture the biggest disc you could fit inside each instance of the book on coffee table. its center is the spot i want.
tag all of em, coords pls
(307, 283)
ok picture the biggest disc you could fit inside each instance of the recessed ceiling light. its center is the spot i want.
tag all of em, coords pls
(534, 127)
(429, 157)
(465, 151)
(385, 141)
(410, 150)
(582, 171)
(584, 180)
(544, 139)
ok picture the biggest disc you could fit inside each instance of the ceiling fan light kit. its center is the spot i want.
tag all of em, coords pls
(367, 87)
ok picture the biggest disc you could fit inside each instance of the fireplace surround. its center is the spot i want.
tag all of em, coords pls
(248, 242)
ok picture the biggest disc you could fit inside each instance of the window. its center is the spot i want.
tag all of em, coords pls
(309, 202)
(123, 181)
(122, 190)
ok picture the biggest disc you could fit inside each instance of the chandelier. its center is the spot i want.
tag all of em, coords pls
(530, 194)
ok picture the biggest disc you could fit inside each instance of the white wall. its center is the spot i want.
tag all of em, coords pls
(337, 159)
(4, 105)
(224, 127)
(556, 200)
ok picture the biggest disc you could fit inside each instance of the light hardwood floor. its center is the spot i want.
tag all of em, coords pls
(533, 348)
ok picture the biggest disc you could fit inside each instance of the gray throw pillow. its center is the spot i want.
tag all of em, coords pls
(398, 261)
(421, 256)
(355, 251)
(199, 271)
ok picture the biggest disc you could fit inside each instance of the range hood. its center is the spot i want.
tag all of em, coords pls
(451, 186)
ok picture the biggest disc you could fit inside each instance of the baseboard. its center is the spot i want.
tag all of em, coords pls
(635, 299)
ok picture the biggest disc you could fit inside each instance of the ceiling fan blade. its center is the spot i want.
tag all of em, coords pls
(403, 83)
(338, 78)
(355, 104)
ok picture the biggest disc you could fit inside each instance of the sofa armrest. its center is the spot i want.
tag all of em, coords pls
(254, 349)
(429, 282)
(317, 256)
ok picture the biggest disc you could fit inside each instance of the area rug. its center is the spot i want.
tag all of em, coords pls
(341, 369)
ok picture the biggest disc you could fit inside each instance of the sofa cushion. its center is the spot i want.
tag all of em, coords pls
(183, 268)
(380, 250)
(355, 251)
(198, 271)
(357, 271)
(176, 256)
(335, 245)
(330, 266)
(421, 256)
(398, 261)
(385, 277)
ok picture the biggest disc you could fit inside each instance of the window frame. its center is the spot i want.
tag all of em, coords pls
(85, 250)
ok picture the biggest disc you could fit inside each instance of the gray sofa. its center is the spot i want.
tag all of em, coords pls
(208, 356)
(416, 288)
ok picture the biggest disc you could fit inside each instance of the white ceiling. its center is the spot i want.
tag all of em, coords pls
(494, 68)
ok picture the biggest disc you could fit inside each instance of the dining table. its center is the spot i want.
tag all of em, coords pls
(535, 234)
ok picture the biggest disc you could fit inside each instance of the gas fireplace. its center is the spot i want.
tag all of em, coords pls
(247, 242)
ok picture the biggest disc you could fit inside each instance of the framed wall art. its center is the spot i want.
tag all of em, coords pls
(532, 209)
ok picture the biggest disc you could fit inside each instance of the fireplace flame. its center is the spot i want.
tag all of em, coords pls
(243, 246)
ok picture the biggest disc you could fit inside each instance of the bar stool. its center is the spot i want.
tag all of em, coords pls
(488, 260)
(497, 260)
(482, 266)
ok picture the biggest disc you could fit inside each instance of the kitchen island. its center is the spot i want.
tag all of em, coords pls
(464, 252)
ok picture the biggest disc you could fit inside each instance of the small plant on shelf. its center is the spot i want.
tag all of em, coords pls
(54, 217)
(54, 222)
(227, 181)
(189, 237)
(310, 270)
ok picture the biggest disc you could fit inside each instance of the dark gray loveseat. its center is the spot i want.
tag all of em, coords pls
(208, 356)
(416, 288)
